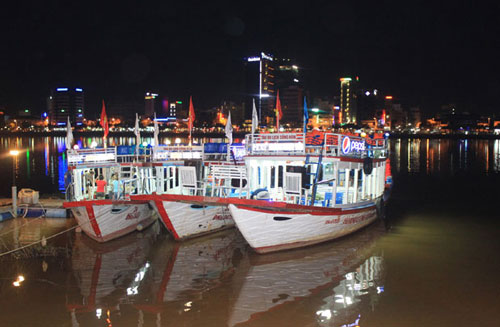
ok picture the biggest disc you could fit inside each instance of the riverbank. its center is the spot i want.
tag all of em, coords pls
(239, 135)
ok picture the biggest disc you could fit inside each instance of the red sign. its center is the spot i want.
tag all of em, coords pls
(314, 138)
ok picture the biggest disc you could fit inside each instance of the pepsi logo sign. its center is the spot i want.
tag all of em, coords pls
(349, 145)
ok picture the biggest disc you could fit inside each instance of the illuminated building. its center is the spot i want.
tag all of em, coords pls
(175, 108)
(236, 110)
(348, 100)
(322, 113)
(150, 104)
(415, 117)
(260, 85)
(64, 102)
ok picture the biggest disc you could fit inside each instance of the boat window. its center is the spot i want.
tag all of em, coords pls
(320, 173)
(171, 179)
(280, 176)
(341, 178)
(280, 218)
(118, 209)
(273, 171)
(302, 170)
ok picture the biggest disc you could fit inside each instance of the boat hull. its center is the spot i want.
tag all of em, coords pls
(105, 220)
(187, 220)
(274, 229)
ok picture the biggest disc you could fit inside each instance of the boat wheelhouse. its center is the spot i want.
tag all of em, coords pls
(103, 216)
(316, 187)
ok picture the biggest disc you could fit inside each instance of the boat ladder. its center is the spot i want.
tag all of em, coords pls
(315, 174)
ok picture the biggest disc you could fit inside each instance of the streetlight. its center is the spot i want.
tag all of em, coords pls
(14, 154)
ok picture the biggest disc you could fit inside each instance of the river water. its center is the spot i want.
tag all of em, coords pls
(434, 262)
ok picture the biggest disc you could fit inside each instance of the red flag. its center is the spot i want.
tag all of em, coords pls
(191, 114)
(104, 120)
(279, 113)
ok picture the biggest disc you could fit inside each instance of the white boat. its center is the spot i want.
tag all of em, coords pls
(319, 187)
(192, 171)
(106, 218)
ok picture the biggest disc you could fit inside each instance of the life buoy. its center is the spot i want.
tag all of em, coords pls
(367, 166)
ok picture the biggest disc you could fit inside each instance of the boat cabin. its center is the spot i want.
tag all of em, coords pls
(321, 169)
(131, 168)
(199, 170)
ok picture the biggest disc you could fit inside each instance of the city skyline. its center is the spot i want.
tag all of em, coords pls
(426, 56)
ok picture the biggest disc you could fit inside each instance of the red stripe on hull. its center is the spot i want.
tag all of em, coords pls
(317, 211)
(95, 280)
(165, 219)
(73, 204)
(93, 221)
(166, 276)
(213, 201)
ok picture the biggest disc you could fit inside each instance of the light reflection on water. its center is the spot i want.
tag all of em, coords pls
(147, 279)
(434, 259)
(445, 156)
(42, 162)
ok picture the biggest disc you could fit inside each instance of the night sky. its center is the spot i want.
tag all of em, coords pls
(423, 54)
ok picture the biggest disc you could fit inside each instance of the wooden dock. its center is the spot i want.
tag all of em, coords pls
(46, 207)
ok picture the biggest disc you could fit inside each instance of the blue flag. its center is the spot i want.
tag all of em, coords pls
(306, 116)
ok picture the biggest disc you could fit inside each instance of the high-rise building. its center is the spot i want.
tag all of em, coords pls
(289, 82)
(292, 103)
(65, 102)
(260, 85)
(348, 100)
(287, 73)
(150, 104)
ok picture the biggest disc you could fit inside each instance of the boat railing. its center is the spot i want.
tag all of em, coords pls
(275, 144)
(92, 156)
(177, 152)
(220, 152)
(228, 180)
(332, 144)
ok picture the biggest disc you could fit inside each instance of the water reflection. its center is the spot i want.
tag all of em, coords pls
(129, 280)
(329, 280)
(215, 281)
(445, 156)
(108, 275)
(188, 282)
(365, 283)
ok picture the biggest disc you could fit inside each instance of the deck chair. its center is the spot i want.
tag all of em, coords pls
(293, 185)
(188, 180)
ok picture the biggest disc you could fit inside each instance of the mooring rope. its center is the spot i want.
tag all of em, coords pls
(44, 239)
(24, 217)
